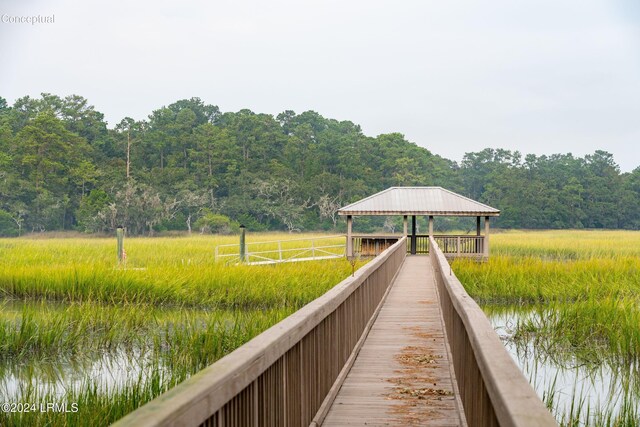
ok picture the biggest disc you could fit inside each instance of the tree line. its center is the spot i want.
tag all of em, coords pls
(190, 166)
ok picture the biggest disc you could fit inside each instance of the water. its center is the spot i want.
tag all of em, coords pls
(108, 372)
(55, 376)
(573, 389)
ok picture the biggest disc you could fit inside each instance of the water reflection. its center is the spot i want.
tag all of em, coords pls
(595, 392)
(111, 371)
(105, 371)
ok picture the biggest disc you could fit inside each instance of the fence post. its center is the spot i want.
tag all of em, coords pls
(242, 244)
(280, 249)
(458, 246)
(120, 238)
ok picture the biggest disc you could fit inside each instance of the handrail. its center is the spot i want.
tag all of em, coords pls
(280, 254)
(283, 374)
(452, 245)
(493, 389)
(302, 239)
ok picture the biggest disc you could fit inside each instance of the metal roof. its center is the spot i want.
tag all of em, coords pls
(418, 201)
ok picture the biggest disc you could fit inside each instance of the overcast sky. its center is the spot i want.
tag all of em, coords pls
(539, 76)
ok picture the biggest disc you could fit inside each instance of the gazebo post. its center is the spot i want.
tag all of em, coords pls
(430, 225)
(478, 240)
(349, 238)
(486, 237)
(405, 225)
(413, 234)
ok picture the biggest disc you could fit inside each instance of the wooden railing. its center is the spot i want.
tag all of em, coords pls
(492, 388)
(461, 246)
(282, 376)
(458, 246)
(372, 245)
(422, 243)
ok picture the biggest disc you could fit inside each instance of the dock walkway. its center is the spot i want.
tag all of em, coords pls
(402, 374)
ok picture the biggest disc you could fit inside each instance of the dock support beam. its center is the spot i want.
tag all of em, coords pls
(349, 238)
(413, 234)
(486, 237)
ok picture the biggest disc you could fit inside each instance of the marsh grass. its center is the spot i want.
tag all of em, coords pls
(576, 295)
(162, 348)
(163, 271)
(66, 306)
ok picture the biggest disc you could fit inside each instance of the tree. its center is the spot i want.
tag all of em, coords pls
(61, 168)
(129, 129)
(328, 207)
(8, 227)
(92, 213)
(192, 204)
(215, 223)
(279, 202)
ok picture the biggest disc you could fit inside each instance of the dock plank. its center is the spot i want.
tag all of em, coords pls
(402, 374)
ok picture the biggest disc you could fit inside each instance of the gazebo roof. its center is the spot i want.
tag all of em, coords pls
(435, 201)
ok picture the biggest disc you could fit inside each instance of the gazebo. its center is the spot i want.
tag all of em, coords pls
(425, 201)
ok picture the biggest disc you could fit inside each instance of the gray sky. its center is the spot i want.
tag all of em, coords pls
(539, 76)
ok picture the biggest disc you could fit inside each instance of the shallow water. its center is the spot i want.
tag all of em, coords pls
(54, 376)
(110, 372)
(569, 387)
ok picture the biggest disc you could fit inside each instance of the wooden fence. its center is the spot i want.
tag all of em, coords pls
(493, 390)
(282, 376)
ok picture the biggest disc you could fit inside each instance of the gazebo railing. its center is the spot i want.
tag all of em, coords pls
(460, 246)
(452, 246)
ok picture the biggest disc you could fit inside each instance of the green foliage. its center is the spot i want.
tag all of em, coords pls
(8, 227)
(290, 172)
(89, 211)
(215, 223)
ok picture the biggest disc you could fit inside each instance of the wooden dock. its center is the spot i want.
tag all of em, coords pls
(390, 345)
(402, 374)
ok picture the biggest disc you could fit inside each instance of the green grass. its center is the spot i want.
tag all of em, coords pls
(584, 290)
(523, 279)
(173, 311)
(175, 271)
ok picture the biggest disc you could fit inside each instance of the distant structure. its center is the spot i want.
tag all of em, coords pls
(415, 201)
